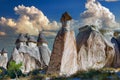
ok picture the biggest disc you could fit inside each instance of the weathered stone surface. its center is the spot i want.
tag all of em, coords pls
(45, 54)
(56, 56)
(32, 51)
(69, 57)
(64, 55)
(28, 54)
(44, 50)
(29, 62)
(94, 51)
(3, 58)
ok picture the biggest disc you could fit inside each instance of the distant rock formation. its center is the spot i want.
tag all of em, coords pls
(44, 50)
(94, 51)
(27, 52)
(3, 58)
(64, 55)
(116, 42)
(116, 62)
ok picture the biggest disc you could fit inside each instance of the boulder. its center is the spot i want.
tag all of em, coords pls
(63, 59)
(94, 51)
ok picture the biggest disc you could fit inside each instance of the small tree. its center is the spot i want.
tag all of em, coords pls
(14, 69)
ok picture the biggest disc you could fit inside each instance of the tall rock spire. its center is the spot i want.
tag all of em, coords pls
(41, 38)
(64, 54)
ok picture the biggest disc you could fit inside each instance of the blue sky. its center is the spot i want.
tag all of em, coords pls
(53, 9)
(50, 8)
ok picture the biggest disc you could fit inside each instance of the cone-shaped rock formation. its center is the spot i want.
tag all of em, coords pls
(64, 55)
(94, 51)
(44, 50)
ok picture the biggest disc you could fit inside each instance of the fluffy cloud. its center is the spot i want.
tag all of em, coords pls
(7, 22)
(98, 15)
(2, 33)
(31, 21)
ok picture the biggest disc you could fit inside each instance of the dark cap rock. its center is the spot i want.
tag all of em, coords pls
(3, 51)
(65, 17)
(32, 39)
(87, 27)
(21, 38)
(41, 38)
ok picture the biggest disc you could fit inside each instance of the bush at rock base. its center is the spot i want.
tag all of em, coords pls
(14, 69)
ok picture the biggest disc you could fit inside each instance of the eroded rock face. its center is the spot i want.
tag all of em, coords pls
(94, 51)
(27, 52)
(29, 62)
(69, 57)
(3, 59)
(64, 55)
(44, 50)
(45, 54)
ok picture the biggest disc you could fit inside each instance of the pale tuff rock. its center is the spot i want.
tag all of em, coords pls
(28, 63)
(43, 49)
(31, 48)
(21, 41)
(3, 58)
(27, 52)
(64, 55)
(69, 57)
(16, 56)
(32, 53)
(94, 51)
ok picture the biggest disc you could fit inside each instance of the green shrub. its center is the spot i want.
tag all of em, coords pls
(3, 72)
(14, 69)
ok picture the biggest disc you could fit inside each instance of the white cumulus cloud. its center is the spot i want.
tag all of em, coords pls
(31, 20)
(98, 15)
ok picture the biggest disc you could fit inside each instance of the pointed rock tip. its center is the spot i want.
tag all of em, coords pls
(41, 38)
(88, 27)
(31, 39)
(65, 17)
(4, 50)
(21, 38)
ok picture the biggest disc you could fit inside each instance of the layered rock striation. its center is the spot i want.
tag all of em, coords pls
(44, 50)
(64, 54)
(94, 51)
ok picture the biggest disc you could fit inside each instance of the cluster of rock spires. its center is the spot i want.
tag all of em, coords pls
(89, 50)
(34, 54)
